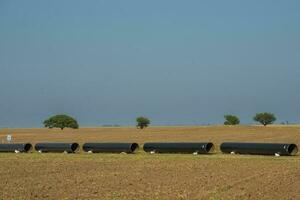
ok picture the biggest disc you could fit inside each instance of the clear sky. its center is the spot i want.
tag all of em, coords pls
(177, 62)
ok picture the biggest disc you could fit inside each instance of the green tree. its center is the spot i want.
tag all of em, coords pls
(264, 118)
(142, 122)
(61, 121)
(231, 120)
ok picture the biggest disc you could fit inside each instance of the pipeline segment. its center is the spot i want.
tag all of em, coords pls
(110, 147)
(17, 147)
(259, 148)
(185, 147)
(57, 147)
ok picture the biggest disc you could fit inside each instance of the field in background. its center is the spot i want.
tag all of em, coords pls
(144, 176)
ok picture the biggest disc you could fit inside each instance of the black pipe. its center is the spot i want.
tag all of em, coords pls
(17, 147)
(110, 147)
(259, 148)
(57, 147)
(201, 148)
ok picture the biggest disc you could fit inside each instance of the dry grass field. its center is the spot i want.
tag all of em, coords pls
(145, 176)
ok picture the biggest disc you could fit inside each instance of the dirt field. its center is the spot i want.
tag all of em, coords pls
(144, 176)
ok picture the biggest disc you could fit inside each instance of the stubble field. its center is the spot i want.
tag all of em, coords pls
(144, 176)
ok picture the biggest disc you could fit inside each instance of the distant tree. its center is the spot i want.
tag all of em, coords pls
(265, 118)
(142, 122)
(61, 121)
(231, 120)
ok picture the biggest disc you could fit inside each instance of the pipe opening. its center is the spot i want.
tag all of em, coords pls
(27, 147)
(134, 146)
(74, 146)
(292, 149)
(209, 147)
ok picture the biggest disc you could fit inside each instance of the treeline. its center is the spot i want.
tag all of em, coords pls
(264, 118)
(64, 121)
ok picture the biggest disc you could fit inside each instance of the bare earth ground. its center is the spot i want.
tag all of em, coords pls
(144, 176)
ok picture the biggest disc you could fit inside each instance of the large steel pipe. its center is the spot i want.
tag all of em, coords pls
(259, 148)
(57, 147)
(110, 147)
(201, 148)
(17, 147)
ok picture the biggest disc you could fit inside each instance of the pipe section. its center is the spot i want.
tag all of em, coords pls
(57, 147)
(17, 147)
(201, 148)
(259, 148)
(110, 147)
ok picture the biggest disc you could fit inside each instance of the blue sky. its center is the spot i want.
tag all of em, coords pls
(177, 62)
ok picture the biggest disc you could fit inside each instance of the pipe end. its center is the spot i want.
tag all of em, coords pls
(293, 149)
(134, 147)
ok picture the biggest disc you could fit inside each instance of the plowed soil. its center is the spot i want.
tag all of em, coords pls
(147, 176)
